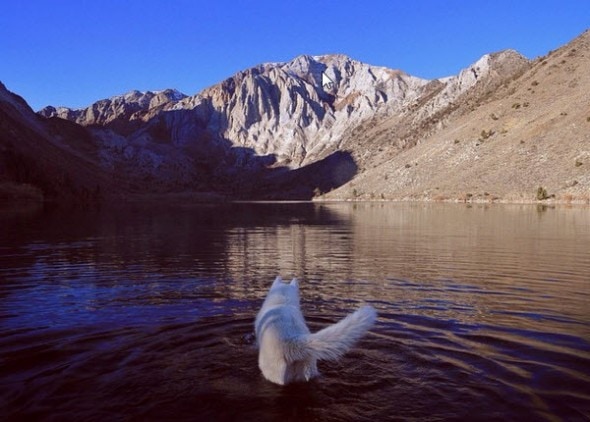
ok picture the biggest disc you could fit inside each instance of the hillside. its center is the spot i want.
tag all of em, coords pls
(46, 159)
(327, 127)
(276, 131)
(275, 114)
(532, 131)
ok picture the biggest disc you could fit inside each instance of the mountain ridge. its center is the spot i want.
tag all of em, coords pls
(46, 158)
(325, 126)
(286, 100)
(525, 140)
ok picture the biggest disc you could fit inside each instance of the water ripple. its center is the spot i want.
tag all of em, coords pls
(149, 315)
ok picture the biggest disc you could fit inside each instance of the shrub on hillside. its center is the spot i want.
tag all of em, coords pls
(542, 193)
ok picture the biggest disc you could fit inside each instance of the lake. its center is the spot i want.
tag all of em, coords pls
(146, 312)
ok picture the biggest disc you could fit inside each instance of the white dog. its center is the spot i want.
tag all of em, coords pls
(288, 352)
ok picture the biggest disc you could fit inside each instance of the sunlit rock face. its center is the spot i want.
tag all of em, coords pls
(294, 111)
(270, 118)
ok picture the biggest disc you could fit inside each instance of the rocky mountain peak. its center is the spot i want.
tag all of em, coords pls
(14, 100)
(294, 111)
(295, 126)
(498, 131)
(121, 107)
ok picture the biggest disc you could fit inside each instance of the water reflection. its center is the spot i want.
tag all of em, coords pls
(153, 307)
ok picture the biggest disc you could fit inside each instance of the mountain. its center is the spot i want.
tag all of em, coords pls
(253, 134)
(515, 138)
(279, 109)
(115, 112)
(267, 130)
(46, 158)
(335, 128)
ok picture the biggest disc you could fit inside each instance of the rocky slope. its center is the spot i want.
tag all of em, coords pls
(333, 127)
(115, 112)
(270, 130)
(287, 110)
(46, 158)
(525, 139)
(283, 110)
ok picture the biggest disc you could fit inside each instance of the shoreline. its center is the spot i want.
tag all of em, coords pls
(460, 201)
(191, 198)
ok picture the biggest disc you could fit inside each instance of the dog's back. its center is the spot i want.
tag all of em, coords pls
(288, 352)
(280, 329)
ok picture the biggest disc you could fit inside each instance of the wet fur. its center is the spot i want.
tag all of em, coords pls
(288, 351)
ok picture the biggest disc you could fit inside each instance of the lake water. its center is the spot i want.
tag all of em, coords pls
(146, 313)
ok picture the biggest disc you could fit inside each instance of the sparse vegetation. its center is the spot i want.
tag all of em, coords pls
(542, 193)
(486, 134)
(466, 197)
(501, 165)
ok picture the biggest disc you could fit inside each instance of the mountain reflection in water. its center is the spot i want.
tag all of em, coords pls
(146, 313)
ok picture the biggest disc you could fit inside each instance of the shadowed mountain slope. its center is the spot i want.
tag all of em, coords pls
(323, 126)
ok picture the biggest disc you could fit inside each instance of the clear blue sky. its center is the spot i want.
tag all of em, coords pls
(73, 53)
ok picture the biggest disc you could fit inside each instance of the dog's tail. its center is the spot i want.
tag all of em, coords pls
(333, 341)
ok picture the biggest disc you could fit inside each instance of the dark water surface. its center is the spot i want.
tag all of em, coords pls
(147, 313)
